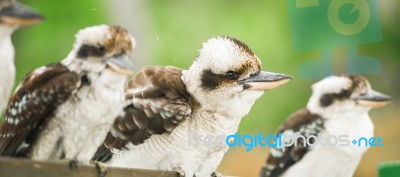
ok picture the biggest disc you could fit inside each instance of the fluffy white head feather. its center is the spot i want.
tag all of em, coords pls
(205, 81)
(342, 95)
(95, 45)
(96, 35)
(221, 54)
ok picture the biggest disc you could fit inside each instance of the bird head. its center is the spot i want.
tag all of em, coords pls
(345, 94)
(228, 74)
(102, 47)
(14, 14)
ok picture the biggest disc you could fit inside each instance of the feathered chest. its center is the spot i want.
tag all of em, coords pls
(93, 104)
(205, 132)
(7, 72)
(355, 126)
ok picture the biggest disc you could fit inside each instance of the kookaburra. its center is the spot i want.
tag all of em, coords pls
(338, 106)
(12, 16)
(165, 104)
(64, 110)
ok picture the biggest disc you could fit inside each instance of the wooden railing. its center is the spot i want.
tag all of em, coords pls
(11, 167)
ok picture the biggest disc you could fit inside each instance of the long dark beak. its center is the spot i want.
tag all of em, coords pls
(263, 81)
(373, 99)
(19, 15)
(120, 64)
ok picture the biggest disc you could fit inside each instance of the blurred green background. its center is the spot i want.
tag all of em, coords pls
(171, 32)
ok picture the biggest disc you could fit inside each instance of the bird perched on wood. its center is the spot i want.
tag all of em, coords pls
(64, 110)
(12, 16)
(165, 104)
(338, 107)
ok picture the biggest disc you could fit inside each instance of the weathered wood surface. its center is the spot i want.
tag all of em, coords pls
(11, 167)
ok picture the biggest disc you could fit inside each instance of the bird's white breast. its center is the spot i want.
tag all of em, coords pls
(84, 120)
(7, 70)
(167, 151)
(324, 162)
(355, 126)
(335, 161)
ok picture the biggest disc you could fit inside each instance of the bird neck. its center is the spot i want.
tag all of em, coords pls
(352, 124)
(6, 50)
(95, 73)
(230, 105)
(81, 66)
(6, 46)
(211, 122)
(6, 31)
(7, 67)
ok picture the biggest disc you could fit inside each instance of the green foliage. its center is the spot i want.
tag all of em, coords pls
(51, 40)
(180, 27)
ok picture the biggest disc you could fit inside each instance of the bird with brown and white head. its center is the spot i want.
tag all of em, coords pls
(64, 110)
(228, 70)
(12, 16)
(164, 105)
(338, 107)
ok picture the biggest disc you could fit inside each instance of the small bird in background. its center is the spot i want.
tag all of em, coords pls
(165, 104)
(338, 106)
(12, 16)
(64, 110)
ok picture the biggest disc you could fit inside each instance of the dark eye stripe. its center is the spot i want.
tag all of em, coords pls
(211, 81)
(89, 50)
(329, 98)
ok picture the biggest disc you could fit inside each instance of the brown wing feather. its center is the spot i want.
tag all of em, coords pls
(298, 122)
(35, 99)
(298, 119)
(156, 102)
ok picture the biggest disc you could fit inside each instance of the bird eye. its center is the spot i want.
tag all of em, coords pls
(231, 75)
(101, 48)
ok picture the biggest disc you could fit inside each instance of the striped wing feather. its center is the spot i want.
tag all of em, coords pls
(31, 106)
(302, 122)
(156, 103)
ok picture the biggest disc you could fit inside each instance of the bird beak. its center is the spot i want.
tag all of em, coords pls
(19, 15)
(373, 99)
(265, 81)
(120, 64)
